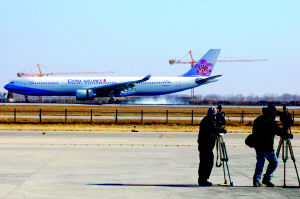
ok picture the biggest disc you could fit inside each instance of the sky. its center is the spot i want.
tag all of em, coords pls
(138, 37)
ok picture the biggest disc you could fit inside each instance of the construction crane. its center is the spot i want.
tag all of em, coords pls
(41, 74)
(174, 61)
(193, 62)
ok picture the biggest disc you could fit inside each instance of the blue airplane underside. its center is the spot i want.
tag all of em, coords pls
(42, 92)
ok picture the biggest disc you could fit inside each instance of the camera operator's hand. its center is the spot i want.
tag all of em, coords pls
(222, 130)
(288, 135)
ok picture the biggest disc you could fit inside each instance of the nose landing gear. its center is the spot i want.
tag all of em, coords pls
(26, 99)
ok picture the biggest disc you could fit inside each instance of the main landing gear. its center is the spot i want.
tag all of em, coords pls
(113, 101)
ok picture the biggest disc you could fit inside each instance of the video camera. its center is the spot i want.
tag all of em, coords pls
(220, 117)
(220, 120)
(285, 118)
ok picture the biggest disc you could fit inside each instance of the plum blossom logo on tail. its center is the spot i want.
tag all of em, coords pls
(203, 68)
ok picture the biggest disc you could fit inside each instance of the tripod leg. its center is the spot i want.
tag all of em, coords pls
(219, 151)
(222, 158)
(225, 180)
(293, 158)
(231, 183)
(284, 158)
(220, 142)
(225, 159)
(278, 148)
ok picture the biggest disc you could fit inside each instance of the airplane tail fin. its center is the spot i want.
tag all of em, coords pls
(205, 65)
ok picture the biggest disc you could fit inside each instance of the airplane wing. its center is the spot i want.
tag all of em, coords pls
(118, 87)
(207, 80)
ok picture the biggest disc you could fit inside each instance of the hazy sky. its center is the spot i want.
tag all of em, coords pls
(134, 38)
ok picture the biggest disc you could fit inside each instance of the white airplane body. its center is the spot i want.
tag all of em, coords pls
(87, 88)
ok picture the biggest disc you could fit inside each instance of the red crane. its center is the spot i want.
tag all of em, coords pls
(41, 74)
(192, 62)
(174, 61)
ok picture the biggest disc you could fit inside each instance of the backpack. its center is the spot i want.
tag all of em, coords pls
(250, 140)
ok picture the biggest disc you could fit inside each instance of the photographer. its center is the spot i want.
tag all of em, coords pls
(264, 130)
(206, 142)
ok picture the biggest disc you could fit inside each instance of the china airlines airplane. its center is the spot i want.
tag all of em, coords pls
(88, 88)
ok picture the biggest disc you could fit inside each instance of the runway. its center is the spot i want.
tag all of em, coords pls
(44, 164)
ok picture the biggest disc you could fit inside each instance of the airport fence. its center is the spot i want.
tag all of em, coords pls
(96, 116)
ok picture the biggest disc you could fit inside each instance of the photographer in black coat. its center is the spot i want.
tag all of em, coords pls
(206, 142)
(264, 130)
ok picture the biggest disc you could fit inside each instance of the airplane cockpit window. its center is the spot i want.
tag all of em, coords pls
(12, 82)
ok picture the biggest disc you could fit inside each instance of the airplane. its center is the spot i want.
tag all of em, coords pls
(88, 88)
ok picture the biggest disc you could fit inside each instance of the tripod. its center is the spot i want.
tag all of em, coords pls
(222, 157)
(286, 145)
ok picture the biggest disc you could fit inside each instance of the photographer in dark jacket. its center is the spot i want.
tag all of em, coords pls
(206, 142)
(264, 130)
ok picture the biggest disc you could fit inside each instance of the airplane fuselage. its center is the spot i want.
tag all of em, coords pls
(68, 86)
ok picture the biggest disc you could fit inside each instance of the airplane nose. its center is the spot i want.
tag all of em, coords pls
(7, 87)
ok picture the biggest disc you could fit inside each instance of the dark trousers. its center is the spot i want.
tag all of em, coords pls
(206, 157)
(273, 162)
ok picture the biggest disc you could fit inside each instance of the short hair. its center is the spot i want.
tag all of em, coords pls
(211, 111)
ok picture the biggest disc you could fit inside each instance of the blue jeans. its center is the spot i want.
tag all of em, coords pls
(273, 162)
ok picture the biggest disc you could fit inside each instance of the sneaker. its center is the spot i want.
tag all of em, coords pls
(205, 183)
(256, 184)
(268, 183)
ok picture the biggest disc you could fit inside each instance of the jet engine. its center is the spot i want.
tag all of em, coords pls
(84, 94)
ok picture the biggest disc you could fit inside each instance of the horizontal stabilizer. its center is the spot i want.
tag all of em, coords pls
(207, 80)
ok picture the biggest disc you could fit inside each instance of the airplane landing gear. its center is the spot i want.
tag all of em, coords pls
(10, 97)
(26, 99)
(113, 101)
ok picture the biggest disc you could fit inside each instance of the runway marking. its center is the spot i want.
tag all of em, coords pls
(170, 136)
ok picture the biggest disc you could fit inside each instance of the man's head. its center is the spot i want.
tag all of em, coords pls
(270, 111)
(211, 111)
(271, 107)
